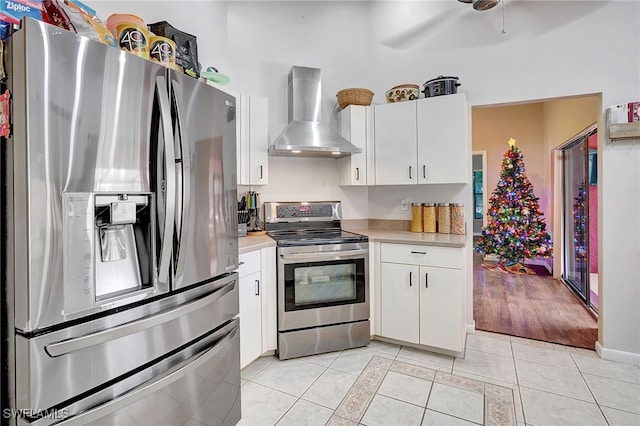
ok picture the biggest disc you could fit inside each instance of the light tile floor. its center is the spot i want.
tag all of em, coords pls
(502, 380)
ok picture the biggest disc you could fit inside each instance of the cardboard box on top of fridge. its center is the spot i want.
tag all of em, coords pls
(12, 11)
(624, 113)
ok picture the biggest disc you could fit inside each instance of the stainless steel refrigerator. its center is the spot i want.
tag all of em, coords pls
(119, 239)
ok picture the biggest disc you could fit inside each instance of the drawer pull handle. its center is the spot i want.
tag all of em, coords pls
(257, 287)
(410, 279)
(426, 280)
(418, 252)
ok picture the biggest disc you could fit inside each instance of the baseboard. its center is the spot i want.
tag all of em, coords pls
(619, 356)
(538, 262)
(471, 328)
(421, 347)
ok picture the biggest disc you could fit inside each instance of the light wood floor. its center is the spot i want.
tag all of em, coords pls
(530, 306)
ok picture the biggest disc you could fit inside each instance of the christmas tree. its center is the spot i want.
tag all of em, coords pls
(516, 229)
(580, 223)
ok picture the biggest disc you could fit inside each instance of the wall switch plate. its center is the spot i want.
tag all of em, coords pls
(404, 204)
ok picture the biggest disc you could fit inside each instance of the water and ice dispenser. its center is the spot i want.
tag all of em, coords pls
(123, 235)
(109, 248)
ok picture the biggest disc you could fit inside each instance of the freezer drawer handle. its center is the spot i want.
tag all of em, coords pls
(145, 389)
(71, 345)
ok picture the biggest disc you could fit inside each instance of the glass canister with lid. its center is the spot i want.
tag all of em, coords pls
(429, 217)
(416, 217)
(444, 218)
(457, 218)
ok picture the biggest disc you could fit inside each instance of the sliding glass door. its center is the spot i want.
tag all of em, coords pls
(575, 216)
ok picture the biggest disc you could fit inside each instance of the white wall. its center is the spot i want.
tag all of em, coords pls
(550, 49)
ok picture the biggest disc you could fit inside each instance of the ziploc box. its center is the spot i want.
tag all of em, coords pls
(12, 11)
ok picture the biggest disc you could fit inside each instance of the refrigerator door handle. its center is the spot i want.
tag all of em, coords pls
(145, 389)
(183, 221)
(74, 344)
(170, 180)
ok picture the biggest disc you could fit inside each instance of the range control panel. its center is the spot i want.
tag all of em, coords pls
(302, 211)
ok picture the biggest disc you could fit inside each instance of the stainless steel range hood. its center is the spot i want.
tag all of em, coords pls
(305, 136)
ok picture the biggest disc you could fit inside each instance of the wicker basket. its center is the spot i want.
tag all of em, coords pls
(354, 96)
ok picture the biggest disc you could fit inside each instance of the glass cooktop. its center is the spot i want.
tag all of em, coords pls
(308, 237)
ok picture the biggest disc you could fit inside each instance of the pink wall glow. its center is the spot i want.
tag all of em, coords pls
(593, 216)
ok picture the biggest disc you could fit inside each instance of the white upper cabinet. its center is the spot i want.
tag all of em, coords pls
(396, 154)
(356, 123)
(253, 140)
(443, 148)
(423, 141)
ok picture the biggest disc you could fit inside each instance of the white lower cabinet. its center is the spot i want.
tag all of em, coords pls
(400, 303)
(441, 308)
(257, 304)
(422, 299)
(250, 319)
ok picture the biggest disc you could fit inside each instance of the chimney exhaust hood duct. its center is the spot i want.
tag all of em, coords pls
(305, 136)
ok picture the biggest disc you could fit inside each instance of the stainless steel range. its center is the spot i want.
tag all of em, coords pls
(323, 285)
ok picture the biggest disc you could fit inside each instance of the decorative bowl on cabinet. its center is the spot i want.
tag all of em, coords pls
(403, 92)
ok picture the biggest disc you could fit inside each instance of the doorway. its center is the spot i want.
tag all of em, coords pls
(537, 306)
(579, 233)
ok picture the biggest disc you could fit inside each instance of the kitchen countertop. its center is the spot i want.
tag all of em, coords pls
(407, 237)
(249, 243)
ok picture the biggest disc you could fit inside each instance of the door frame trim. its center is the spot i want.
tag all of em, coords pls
(482, 153)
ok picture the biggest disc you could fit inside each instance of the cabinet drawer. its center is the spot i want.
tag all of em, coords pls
(249, 263)
(413, 254)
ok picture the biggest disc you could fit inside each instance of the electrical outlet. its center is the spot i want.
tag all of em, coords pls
(404, 204)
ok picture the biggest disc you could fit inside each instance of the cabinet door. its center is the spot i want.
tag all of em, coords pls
(443, 142)
(269, 299)
(395, 156)
(400, 302)
(441, 322)
(253, 140)
(258, 141)
(250, 319)
(354, 122)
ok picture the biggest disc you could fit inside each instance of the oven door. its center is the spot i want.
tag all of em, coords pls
(323, 284)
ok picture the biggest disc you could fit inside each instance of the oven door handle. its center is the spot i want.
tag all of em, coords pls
(322, 255)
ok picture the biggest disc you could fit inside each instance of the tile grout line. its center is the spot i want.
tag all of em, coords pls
(298, 398)
(515, 368)
(590, 391)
